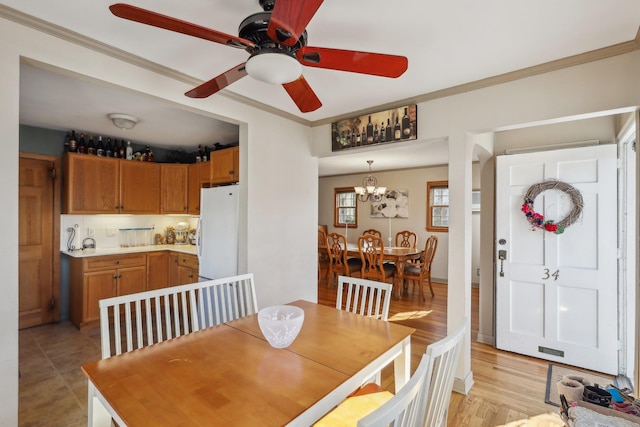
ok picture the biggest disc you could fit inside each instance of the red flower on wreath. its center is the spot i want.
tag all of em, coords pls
(537, 220)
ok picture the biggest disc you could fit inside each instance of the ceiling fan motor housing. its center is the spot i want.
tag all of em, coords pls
(254, 28)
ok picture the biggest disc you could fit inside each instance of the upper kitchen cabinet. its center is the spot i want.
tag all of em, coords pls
(225, 166)
(91, 185)
(174, 184)
(139, 187)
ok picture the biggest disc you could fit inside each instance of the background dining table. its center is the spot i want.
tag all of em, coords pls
(229, 374)
(399, 256)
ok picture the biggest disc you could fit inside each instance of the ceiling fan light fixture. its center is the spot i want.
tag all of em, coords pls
(123, 121)
(273, 67)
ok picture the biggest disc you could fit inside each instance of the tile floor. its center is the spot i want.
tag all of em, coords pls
(52, 387)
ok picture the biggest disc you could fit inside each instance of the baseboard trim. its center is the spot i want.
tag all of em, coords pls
(485, 339)
(463, 385)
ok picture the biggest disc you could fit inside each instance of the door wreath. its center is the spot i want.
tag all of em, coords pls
(537, 220)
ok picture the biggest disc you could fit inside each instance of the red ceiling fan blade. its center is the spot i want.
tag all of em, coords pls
(289, 19)
(154, 19)
(376, 64)
(302, 94)
(218, 83)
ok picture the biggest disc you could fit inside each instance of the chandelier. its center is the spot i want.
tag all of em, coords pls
(370, 188)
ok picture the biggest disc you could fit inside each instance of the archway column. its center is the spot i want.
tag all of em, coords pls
(460, 239)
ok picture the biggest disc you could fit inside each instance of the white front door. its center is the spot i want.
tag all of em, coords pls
(556, 295)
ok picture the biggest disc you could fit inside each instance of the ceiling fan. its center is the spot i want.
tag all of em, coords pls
(276, 40)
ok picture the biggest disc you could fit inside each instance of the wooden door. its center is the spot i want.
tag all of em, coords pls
(97, 286)
(91, 184)
(38, 258)
(174, 181)
(139, 187)
(157, 270)
(173, 269)
(132, 280)
(223, 169)
(195, 184)
(556, 295)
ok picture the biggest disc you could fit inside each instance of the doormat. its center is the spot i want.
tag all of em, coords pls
(555, 374)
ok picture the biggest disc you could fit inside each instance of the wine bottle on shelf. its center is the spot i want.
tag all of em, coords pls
(406, 125)
(82, 145)
(388, 134)
(358, 138)
(382, 133)
(108, 149)
(122, 151)
(397, 131)
(364, 136)
(100, 147)
(73, 142)
(65, 147)
(129, 152)
(369, 131)
(376, 136)
(91, 147)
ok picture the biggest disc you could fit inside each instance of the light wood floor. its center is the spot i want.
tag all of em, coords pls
(508, 388)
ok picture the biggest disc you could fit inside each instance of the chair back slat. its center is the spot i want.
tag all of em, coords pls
(137, 320)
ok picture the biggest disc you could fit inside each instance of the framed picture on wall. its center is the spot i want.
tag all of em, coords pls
(394, 204)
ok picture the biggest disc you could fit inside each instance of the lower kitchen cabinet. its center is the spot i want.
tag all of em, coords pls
(158, 270)
(187, 269)
(96, 278)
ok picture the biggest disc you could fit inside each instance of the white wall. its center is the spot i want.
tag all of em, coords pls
(277, 173)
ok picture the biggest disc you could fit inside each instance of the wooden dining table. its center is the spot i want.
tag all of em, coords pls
(398, 255)
(230, 375)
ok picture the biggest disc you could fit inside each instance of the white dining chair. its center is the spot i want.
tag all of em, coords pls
(424, 400)
(363, 296)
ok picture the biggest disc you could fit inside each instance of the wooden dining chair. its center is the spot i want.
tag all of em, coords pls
(406, 239)
(372, 254)
(372, 231)
(323, 254)
(422, 402)
(339, 262)
(418, 272)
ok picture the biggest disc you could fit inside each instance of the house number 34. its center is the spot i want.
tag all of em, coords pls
(548, 274)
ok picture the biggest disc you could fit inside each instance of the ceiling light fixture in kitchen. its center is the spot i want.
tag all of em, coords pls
(123, 121)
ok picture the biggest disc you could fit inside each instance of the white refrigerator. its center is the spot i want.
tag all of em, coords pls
(217, 232)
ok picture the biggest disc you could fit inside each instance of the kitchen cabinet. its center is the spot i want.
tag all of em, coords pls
(222, 167)
(173, 269)
(187, 269)
(158, 270)
(225, 166)
(91, 184)
(174, 184)
(139, 187)
(102, 185)
(198, 178)
(96, 278)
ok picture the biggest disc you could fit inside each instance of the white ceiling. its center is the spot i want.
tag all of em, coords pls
(448, 43)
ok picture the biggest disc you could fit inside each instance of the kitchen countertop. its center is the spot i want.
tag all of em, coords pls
(83, 253)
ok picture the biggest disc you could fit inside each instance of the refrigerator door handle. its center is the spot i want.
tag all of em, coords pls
(198, 237)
